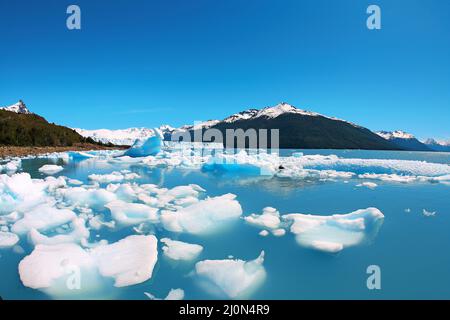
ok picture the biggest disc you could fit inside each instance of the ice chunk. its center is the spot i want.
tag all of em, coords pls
(177, 250)
(93, 198)
(204, 216)
(427, 213)
(336, 232)
(8, 239)
(235, 278)
(129, 261)
(79, 232)
(128, 214)
(46, 264)
(148, 147)
(11, 166)
(50, 169)
(41, 218)
(20, 193)
(113, 177)
(174, 294)
(369, 185)
(269, 219)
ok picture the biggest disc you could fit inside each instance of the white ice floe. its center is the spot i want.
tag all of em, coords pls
(50, 169)
(370, 185)
(11, 166)
(21, 193)
(43, 217)
(128, 214)
(204, 216)
(83, 197)
(113, 177)
(129, 261)
(336, 232)
(76, 235)
(8, 239)
(178, 250)
(174, 294)
(378, 166)
(233, 277)
(269, 219)
(427, 213)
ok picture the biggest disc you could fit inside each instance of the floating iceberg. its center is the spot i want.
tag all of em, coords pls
(177, 250)
(93, 198)
(233, 277)
(128, 214)
(334, 233)
(50, 169)
(204, 216)
(77, 234)
(144, 148)
(11, 166)
(8, 239)
(129, 261)
(113, 177)
(41, 218)
(174, 294)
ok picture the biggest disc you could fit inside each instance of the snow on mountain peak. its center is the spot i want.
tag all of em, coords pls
(18, 107)
(398, 134)
(123, 137)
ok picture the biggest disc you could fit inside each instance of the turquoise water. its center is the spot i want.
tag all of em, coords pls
(411, 249)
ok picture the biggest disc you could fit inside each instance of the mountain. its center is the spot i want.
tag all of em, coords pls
(404, 140)
(301, 129)
(20, 127)
(122, 137)
(441, 146)
(18, 107)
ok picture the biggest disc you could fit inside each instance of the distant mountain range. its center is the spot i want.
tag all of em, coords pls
(404, 140)
(20, 127)
(298, 129)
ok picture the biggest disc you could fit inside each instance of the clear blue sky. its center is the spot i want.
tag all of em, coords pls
(148, 62)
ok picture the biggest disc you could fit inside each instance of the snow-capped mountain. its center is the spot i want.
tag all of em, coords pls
(122, 137)
(389, 135)
(404, 140)
(18, 107)
(442, 146)
(300, 128)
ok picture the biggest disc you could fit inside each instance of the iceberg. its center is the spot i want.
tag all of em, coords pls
(174, 294)
(336, 232)
(234, 277)
(92, 198)
(8, 239)
(50, 169)
(129, 261)
(177, 250)
(78, 233)
(128, 214)
(113, 177)
(143, 148)
(204, 216)
(43, 217)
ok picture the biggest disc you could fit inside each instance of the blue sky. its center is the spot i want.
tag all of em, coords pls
(148, 62)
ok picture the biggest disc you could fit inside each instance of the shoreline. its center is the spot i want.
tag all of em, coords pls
(23, 151)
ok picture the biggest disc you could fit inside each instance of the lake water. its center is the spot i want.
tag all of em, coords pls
(410, 248)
